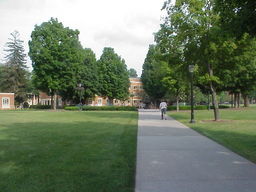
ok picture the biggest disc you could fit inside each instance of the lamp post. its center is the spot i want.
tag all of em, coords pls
(191, 71)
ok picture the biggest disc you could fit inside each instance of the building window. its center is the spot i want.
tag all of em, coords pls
(5, 102)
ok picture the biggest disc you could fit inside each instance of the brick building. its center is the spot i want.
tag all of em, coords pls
(7, 101)
(135, 91)
(135, 96)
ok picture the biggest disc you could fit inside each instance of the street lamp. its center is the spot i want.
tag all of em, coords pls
(191, 71)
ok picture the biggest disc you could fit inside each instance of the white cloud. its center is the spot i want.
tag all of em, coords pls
(125, 25)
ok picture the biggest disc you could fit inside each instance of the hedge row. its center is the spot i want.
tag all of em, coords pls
(101, 108)
(197, 107)
(40, 106)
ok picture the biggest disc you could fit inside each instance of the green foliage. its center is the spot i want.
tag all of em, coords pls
(40, 107)
(132, 73)
(109, 108)
(113, 76)
(154, 70)
(25, 105)
(238, 16)
(72, 108)
(14, 75)
(56, 56)
(87, 75)
(102, 108)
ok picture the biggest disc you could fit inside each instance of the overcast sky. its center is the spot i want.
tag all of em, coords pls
(125, 25)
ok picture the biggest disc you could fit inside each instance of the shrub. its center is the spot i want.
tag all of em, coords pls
(25, 105)
(109, 108)
(40, 107)
(102, 108)
(72, 108)
(171, 108)
(224, 106)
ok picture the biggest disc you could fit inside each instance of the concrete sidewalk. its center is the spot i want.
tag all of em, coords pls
(173, 158)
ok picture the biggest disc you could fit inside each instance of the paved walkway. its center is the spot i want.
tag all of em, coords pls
(173, 158)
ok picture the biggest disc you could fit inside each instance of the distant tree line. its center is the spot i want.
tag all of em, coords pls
(218, 37)
(60, 64)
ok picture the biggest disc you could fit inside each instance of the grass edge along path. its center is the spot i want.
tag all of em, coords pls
(44, 151)
(236, 130)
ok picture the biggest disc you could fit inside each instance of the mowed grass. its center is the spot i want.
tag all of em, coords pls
(236, 130)
(67, 151)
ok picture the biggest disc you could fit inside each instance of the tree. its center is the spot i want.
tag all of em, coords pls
(89, 74)
(152, 74)
(193, 24)
(172, 52)
(56, 55)
(238, 16)
(14, 75)
(238, 19)
(113, 76)
(132, 73)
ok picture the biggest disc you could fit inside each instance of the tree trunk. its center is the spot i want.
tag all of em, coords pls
(38, 99)
(238, 100)
(246, 100)
(52, 104)
(209, 103)
(54, 101)
(235, 100)
(232, 100)
(177, 104)
(214, 97)
(215, 104)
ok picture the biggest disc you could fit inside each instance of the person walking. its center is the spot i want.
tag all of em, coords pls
(163, 108)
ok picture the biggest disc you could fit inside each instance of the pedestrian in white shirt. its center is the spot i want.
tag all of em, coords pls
(163, 108)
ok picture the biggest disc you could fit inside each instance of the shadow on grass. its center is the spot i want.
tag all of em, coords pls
(67, 157)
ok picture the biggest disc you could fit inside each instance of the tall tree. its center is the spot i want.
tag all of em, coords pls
(89, 74)
(132, 73)
(56, 55)
(172, 51)
(113, 76)
(87, 77)
(14, 72)
(238, 19)
(152, 74)
(193, 24)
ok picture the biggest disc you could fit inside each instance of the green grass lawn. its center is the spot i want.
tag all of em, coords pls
(44, 151)
(236, 130)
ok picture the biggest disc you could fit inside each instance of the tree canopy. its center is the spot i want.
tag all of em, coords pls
(132, 72)
(153, 71)
(208, 35)
(113, 76)
(14, 73)
(56, 55)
